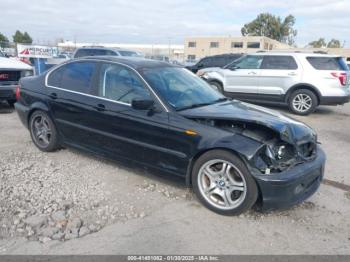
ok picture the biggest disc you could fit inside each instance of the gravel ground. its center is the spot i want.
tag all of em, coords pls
(64, 202)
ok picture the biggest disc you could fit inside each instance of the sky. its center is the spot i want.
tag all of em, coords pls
(164, 21)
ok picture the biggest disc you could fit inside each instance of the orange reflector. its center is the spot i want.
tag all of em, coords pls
(191, 132)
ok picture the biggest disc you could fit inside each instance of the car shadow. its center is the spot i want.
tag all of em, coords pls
(5, 108)
(321, 110)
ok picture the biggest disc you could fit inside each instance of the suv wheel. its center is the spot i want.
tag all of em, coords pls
(223, 183)
(303, 102)
(43, 131)
(217, 86)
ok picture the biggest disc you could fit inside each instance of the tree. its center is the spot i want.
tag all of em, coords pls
(4, 42)
(23, 38)
(334, 43)
(321, 42)
(272, 26)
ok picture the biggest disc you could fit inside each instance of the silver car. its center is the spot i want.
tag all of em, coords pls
(300, 80)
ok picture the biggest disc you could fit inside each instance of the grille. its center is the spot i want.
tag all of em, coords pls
(10, 76)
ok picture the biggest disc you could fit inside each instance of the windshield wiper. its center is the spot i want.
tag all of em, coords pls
(202, 104)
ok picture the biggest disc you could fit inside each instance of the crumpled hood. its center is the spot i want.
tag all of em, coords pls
(291, 131)
(10, 63)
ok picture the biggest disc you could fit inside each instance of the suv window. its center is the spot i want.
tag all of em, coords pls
(73, 76)
(93, 52)
(327, 63)
(120, 84)
(247, 62)
(219, 61)
(279, 63)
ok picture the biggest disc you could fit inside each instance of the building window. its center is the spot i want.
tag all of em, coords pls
(253, 45)
(191, 57)
(214, 44)
(191, 44)
(237, 45)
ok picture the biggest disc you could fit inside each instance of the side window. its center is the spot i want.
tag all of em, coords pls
(247, 62)
(279, 63)
(121, 84)
(73, 76)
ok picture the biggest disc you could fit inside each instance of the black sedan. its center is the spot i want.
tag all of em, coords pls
(139, 111)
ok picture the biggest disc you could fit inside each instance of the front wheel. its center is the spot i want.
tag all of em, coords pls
(303, 102)
(223, 183)
(43, 131)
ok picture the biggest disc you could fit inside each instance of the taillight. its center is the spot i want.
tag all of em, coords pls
(18, 92)
(341, 76)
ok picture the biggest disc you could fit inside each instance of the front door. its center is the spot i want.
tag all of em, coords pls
(242, 76)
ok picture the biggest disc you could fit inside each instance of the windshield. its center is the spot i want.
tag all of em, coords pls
(180, 88)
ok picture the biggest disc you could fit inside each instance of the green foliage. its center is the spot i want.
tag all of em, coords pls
(321, 42)
(334, 43)
(273, 27)
(4, 42)
(23, 38)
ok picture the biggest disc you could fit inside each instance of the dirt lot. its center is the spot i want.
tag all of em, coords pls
(69, 202)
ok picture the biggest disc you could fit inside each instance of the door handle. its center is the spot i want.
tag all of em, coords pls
(53, 96)
(100, 107)
(252, 73)
(292, 74)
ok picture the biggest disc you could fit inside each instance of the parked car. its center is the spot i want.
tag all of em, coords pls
(11, 70)
(213, 61)
(163, 117)
(98, 51)
(300, 80)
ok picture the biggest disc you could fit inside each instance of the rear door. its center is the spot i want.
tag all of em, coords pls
(68, 89)
(242, 75)
(278, 74)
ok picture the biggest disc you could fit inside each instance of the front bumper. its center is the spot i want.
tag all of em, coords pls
(293, 186)
(8, 92)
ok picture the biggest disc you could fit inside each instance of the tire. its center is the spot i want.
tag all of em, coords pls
(233, 193)
(11, 102)
(217, 86)
(303, 102)
(43, 131)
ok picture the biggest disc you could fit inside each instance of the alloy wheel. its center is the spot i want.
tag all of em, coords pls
(41, 131)
(302, 102)
(222, 184)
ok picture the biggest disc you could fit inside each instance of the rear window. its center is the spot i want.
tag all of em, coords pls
(73, 76)
(279, 63)
(327, 63)
(93, 52)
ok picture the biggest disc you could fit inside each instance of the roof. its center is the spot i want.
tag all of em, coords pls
(134, 62)
(293, 53)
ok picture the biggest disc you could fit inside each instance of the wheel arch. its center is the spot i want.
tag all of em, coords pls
(244, 148)
(310, 87)
(37, 106)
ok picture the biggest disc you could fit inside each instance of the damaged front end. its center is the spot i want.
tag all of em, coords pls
(279, 149)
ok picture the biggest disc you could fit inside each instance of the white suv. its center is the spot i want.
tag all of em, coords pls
(300, 80)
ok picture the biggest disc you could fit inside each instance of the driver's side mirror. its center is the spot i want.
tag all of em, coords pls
(142, 104)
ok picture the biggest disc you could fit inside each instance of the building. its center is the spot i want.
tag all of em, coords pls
(174, 52)
(199, 47)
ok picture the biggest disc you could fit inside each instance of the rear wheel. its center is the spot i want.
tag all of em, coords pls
(217, 86)
(303, 102)
(43, 131)
(223, 183)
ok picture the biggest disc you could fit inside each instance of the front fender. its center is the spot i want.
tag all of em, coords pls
(243, 146)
